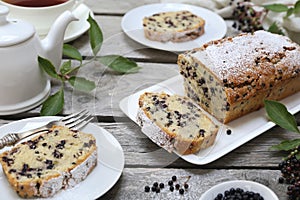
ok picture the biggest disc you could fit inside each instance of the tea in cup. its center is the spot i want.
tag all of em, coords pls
(40, 13)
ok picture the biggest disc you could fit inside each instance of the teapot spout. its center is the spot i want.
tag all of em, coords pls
(53, 42)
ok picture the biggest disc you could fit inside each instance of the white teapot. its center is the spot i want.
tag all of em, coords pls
(23, 85)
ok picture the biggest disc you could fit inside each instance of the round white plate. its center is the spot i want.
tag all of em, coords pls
(98, 182)
(263, 190)
(132, 24)
(77, 28)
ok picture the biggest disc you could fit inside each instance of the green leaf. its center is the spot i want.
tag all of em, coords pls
(72, 52)
(286, 145)
(95, 35)
(276, 7)
(279, 114)
(82, 84)
(54, 104)
(48, 67)
(119, 63)
(65, 67)
(297, 7)
(275, 29)
(289, 12)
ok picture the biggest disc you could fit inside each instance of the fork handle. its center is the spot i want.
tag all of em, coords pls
(9, 140)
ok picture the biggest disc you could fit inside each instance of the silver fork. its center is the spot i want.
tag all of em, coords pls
(74, 121)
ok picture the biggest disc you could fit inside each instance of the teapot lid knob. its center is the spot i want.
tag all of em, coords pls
(10, 33)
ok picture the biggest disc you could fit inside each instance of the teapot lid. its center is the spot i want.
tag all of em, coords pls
(13, 32)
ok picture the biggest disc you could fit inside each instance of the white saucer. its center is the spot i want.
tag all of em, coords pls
(27, 105)
(77, 28)
(215, 26)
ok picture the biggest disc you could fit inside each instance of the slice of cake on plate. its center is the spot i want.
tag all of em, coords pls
(49, 162)
(175, 123)
(176, 26)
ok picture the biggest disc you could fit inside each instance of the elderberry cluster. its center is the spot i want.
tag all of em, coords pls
(173, 185)
(290, 172)
(247, 19)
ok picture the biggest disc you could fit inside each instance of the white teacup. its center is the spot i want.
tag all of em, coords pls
(41, 17)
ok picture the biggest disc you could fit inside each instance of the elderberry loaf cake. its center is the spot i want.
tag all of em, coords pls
(231, 77)
(47, 163)
(178, 26)
(175, 123)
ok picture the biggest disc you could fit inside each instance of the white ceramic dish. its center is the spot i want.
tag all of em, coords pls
(263, 190)
(215, 26)
(243, 129)
(102, 178)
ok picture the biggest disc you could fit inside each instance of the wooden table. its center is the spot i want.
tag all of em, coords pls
(145, 162)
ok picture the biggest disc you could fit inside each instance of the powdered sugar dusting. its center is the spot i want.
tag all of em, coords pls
(236, 58)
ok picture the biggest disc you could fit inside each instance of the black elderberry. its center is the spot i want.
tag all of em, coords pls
(153, 189)
(157, 190)
(147, 188)
(155, 184)
(181, 191)
(161, 185)
(228, 131)
(171, 188)
(186, 186)
(174, 178)
(177, 186)
(170, 183)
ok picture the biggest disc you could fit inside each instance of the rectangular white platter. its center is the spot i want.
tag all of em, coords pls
(243, 129)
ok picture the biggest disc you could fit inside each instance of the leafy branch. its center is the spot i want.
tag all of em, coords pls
(279, 114)
(277, 7)
(67, 74)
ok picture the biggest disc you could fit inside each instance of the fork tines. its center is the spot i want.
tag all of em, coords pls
(78, 120)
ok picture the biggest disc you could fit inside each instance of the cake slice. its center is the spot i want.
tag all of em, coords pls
(177, 26)
(175, 123)
(47, 163)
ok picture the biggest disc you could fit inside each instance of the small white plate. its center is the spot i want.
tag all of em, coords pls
(243, 129)
(98, 182)
(132, 24)
(77, 28)
(263, 190)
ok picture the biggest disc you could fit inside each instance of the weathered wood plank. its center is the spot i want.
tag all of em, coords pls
(116, 6)
(132, 182)
(112, 87)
